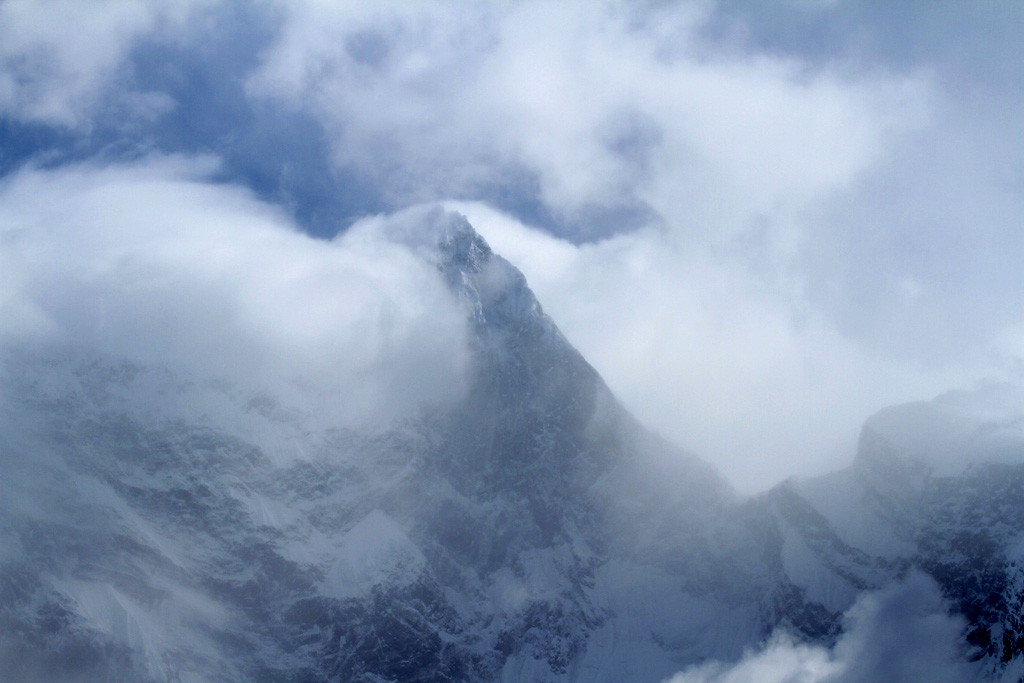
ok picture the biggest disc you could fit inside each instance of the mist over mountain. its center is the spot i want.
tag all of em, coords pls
(511, 341)
(164, 524)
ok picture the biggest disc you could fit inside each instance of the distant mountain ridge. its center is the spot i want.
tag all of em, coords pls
(164, 527)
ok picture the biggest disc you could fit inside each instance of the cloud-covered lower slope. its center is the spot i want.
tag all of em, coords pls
(900, 633)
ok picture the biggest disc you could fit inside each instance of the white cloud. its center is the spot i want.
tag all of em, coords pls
(58, 56)
(154, 263)
(604, 103)
(698, 348)
(900, 633)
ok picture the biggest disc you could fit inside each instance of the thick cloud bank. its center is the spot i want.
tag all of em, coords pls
(900, 633)
(154, 263)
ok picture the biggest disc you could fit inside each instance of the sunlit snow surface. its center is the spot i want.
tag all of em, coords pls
(164, 526)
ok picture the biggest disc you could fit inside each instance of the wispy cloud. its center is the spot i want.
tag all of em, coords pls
(60, 57)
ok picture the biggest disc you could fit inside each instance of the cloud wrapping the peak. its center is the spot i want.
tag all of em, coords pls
(738, 232)
(153, 263)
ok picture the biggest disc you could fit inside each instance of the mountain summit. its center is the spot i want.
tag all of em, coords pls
(165, 527)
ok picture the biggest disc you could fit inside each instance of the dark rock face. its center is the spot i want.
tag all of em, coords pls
(534, 531)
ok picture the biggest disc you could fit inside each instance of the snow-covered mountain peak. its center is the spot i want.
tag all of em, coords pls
(434, 233)
(460, 246)
(492, 292)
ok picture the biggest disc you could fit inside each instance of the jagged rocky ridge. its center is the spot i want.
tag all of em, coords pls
(152, 529)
